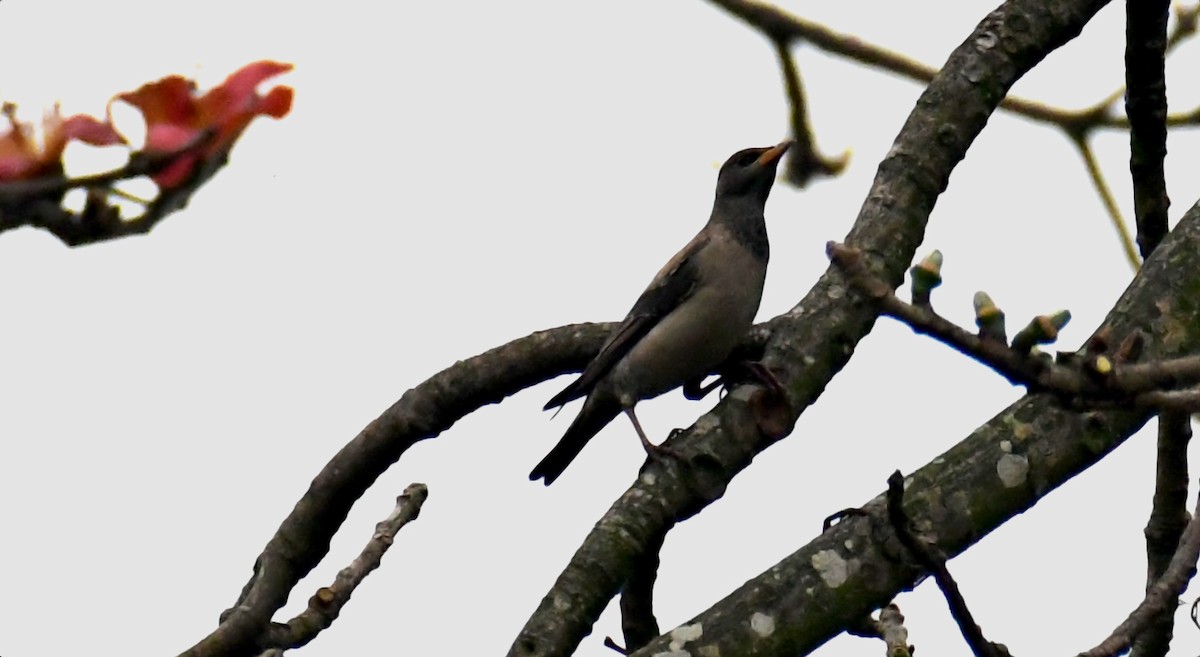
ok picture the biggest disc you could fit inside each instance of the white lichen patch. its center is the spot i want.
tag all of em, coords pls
(649, 478)
(762, 624)
(849, 544)
(1006, 446)
(673, 653)
(687, 633)
(710, 651)
(832, 568)
(682, 634)
(1012, 470)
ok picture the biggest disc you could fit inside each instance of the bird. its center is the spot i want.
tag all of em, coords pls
(689, 319)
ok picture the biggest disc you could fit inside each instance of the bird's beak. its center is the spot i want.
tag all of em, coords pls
(774, 153)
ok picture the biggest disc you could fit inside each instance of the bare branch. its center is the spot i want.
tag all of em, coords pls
(779, 25)
(1168, 518)
(1003, 468)
(812, 342)
(1161, 597)
(327, 603)
(936, 565)
(302, 540)
(893, 632)
(1146, 107)
(638, 623)
(1093, 379)
(803, 160)
(1096, 174)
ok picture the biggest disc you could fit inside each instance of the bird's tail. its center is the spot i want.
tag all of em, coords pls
(596, 413)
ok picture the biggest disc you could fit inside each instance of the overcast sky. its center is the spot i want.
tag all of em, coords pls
(457, 175)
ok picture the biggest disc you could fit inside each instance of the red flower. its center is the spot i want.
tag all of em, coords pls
(21, 156)
(176, 117)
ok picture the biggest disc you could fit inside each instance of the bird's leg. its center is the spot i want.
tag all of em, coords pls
(653, 451)
(694, 390)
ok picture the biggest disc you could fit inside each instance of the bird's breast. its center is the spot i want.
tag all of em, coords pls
(699, 334)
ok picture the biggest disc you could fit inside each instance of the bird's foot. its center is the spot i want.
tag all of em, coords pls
(695, 390)
(661, 452)
(842, 515)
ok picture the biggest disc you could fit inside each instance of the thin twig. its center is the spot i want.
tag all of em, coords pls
(1110, 202)
(1091, 380)
(936, 566)
(804, 162)
(779, 25)
(894, 634)
(1161, 597)
(325, 606)
(1168, 518)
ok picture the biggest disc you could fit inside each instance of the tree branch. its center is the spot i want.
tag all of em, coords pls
(936, 565)
(325, 606)
(1002, 469)
(1096, 175)
(804, 162)
(1168, 518)
(1095, 379)
(779, 25)
(1146, 107)
(814, 340)
(1161, 597)
(638, 623)
(302, 540)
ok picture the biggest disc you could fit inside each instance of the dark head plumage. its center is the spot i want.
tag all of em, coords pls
(751, 172)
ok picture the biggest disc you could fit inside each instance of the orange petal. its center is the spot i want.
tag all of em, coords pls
(91, 130)
(277, 103)
(167, 137)
(241, 84)
(168, 100)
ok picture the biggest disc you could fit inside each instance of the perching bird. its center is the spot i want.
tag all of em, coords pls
(690, 318)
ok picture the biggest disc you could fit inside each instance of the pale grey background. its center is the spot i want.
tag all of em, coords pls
(456, 175)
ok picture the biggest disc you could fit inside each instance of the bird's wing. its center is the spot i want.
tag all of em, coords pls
(673, 284)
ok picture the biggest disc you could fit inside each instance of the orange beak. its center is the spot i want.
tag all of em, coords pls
(774, 153)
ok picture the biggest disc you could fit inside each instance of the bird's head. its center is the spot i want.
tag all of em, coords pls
(751, 172)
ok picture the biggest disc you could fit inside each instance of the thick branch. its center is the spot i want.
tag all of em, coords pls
(1146, 107)
(302, 540)
(1002, 469)
(638, 623)
(814, 340)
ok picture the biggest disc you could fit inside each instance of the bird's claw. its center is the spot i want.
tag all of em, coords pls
(661, 452)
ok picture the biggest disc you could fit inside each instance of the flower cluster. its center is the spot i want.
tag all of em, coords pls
(182, 126)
